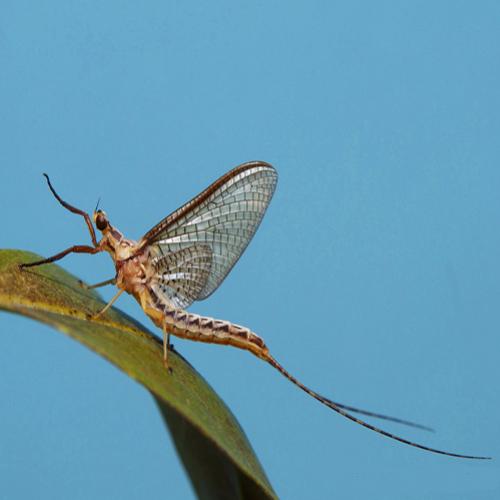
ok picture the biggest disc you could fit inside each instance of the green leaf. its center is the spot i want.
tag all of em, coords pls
(215, 451)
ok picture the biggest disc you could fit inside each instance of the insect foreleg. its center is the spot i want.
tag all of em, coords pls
(74, 210)
(75, 248)
(60, 255)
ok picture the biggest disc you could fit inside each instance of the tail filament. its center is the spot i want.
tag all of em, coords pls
(341, 409)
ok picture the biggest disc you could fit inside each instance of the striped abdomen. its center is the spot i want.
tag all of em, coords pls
(203, 329)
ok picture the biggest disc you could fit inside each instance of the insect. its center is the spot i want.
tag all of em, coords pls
(186, 257)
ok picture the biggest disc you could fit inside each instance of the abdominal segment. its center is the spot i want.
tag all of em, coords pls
(200, 328)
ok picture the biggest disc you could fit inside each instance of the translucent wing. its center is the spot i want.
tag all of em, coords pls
(221, 220)
(182, 274)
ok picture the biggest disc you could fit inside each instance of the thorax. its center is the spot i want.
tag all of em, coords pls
(131, 261)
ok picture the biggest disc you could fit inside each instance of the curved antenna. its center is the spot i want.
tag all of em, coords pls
(97, 204)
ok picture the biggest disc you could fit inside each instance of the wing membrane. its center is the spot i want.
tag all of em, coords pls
(181, 275)
(222, 219)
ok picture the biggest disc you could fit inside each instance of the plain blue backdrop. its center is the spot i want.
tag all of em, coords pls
(374, 277)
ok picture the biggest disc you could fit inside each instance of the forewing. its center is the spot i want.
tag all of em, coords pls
(223, 218)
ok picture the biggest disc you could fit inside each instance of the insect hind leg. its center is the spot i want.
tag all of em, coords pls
(166, 347)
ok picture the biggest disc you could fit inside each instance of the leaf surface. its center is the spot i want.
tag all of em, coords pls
(214, 449)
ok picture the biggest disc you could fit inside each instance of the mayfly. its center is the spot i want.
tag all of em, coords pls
(186, 257)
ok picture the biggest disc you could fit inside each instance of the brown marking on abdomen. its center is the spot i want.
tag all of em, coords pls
(202, 329)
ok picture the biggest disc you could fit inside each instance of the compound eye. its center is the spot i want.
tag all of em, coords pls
(100, 221)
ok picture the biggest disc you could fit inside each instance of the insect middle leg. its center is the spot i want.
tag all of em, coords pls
(108, 305)
(111, 281)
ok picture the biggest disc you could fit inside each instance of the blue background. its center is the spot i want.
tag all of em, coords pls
(374, 277)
